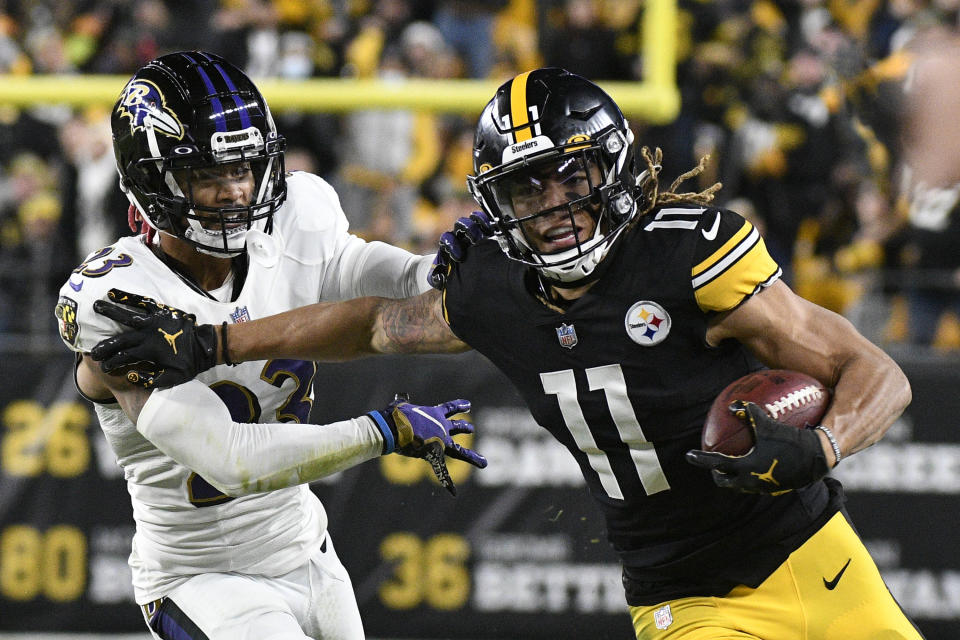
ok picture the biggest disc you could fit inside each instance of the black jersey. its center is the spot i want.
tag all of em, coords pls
(623, 377)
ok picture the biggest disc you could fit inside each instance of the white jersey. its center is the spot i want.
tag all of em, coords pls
(184, 525)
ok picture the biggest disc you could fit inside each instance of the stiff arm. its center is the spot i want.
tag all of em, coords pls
(336, 331)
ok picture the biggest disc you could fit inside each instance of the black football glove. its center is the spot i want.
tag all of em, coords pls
(425, 432)
(783, 457)
(164, 347)
(467, 231)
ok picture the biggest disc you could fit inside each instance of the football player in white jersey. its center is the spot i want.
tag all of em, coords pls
(230, 542)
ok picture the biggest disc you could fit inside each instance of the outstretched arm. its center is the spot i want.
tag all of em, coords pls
(319, 332)
(346, 330)
(191, 425)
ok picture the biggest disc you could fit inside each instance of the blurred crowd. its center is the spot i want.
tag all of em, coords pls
(798, 103)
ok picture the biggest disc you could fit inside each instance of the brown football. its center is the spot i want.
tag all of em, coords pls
(790, 397)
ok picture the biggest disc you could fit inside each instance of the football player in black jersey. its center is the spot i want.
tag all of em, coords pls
(620, 310)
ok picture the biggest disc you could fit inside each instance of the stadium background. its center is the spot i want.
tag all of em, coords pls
(379, 97)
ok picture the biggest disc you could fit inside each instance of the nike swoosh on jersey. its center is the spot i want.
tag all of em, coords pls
(77, 286)
(830, 585)
(712, 234)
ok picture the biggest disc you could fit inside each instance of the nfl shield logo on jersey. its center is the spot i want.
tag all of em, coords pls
(240, 314)
(567, 336)
(663, 617)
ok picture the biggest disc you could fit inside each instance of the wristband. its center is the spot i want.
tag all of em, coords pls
(223, 346)
(833, 443)
(389, 443)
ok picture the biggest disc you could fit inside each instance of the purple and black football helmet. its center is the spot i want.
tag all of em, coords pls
(187, 111)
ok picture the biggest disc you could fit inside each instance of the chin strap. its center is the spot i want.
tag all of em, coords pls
(598, 270)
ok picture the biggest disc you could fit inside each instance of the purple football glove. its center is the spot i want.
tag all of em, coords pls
(425, 432)
(453, 245)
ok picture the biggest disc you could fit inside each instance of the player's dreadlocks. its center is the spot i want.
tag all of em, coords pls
(651, 186)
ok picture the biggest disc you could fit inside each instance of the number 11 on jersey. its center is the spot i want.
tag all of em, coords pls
(610, 378)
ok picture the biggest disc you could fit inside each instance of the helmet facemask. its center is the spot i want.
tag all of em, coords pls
(181, 179)
(543, 203)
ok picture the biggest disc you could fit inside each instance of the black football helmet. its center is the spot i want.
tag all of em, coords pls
(549, 122)
(184, 112)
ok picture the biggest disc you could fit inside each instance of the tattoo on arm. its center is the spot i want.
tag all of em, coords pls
(414, 325)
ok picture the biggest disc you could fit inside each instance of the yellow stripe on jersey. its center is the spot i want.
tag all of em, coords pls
(717, 255)
(519, 115)
(734, 271)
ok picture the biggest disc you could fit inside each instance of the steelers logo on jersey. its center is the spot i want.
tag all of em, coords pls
(647, 323)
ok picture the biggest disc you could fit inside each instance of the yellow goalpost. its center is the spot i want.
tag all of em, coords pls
(655, 98)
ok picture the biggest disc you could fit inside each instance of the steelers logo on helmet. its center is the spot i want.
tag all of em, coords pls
(647, 323)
